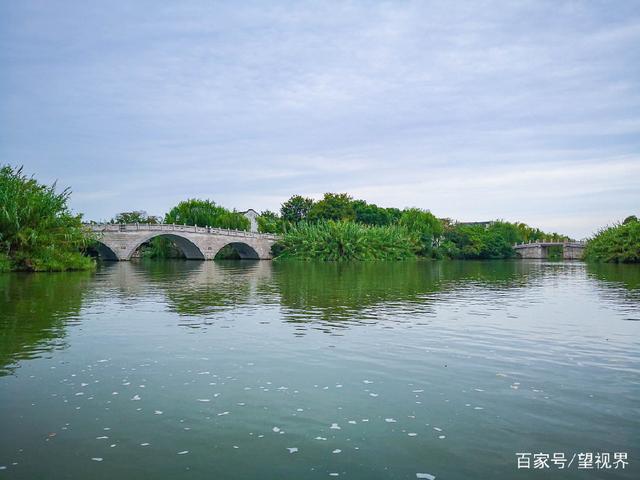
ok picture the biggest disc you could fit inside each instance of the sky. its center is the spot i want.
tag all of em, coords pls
(479, 110)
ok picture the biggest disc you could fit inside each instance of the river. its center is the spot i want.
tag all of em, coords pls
(241, 370)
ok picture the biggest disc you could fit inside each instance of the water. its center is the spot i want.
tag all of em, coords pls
(241, 370)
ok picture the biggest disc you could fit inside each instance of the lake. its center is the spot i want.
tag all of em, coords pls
(266, 370)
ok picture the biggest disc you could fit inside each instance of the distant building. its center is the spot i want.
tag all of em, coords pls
(252, 215)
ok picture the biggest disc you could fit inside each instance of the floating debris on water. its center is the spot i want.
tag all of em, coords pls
(292, 449)
(97, 459)
(184, 452)
(426, 476)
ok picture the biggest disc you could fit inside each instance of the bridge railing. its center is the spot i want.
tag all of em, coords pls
(547, 243)
(170, 227)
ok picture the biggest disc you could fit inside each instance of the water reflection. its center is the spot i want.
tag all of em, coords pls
(328, 296)
(619, 285)
(34, 310)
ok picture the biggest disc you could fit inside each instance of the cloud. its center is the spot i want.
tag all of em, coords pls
(522, 111)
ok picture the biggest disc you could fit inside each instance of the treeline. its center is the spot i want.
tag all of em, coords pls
(338, 227)
(38, 232)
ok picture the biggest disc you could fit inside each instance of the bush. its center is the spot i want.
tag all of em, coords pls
(479, 242)
(425, 226)
(269, 222)
(340, 241)
(37, 230)
(617, 244)
(206, 213)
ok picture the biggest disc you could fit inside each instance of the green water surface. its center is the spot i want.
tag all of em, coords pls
(243, 370)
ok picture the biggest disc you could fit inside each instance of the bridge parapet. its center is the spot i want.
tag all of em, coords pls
(571, 250)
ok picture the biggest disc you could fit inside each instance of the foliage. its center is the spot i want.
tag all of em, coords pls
(269, 222)
(5, 263)
(136, 216)
(206, 213)
(160, 247)
(333, 206)
(37, 230)
(339, 241)
(426, 228)
(478, 241)
(371, 214)
(296, 209)
(617, 244)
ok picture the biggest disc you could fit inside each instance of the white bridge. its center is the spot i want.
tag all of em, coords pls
(570, 250)
(118, 242)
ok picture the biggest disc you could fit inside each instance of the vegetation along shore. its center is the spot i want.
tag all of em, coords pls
(38, 231)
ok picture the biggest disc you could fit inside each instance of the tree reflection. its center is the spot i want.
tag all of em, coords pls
(36, 308)
(335, 292)
(622, 280)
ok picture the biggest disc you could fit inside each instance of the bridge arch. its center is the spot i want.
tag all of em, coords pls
(190, 250)
(246, 251)
(104, 251)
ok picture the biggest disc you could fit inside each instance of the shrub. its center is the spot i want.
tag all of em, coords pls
(37, 230)
(340, 241)
(617, 244)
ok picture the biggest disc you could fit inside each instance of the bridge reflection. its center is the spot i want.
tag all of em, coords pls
(38, 309)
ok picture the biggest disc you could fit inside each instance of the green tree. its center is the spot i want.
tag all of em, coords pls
(333, 206)
(38, 232)
(371, 214)
(616, 244)
(425, 226)
(136, 216)
(269, 222)
(206, 213)
(296, 209)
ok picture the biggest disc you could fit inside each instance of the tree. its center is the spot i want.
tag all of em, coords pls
(424, 225)
(333, 206)
(296, 209)
(269, 222)
(37, 229)
(136, 216)
(371, 214)
(617, 244)
(206, 213)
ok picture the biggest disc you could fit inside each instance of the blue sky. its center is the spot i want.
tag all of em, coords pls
(524, 111)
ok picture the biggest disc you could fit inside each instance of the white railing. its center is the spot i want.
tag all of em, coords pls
(577, 243)
(170, 227)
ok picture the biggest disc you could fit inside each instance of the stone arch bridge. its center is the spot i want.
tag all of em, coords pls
(118, 242)
(570, 250)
